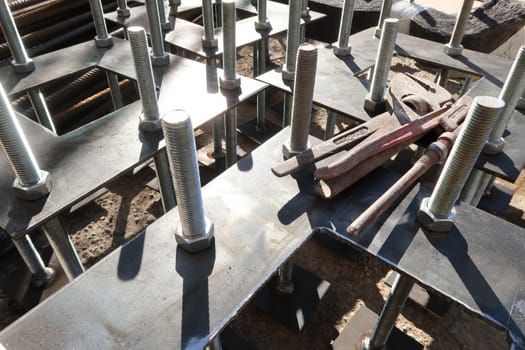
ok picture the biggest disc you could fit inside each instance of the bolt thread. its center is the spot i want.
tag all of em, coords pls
(147, 92)
(464, 153)
(261, 11)
(98, 18)
(11, 34)
(155, 31)
(207, 13)
(302, 97)
(510, 94)
(293, 38)
(182, 154)
(345, 26)
(383, 59)
(230, 132)
(461, 23)
(386, 9)
(228, 32)
(15, 145)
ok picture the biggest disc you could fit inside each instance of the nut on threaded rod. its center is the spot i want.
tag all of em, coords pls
(21, 62)
(159, 57)
(510, 94)
(386, 9)
(454, 47)
(229, 80)
(262, 22)
(303, 93)
(123, 9)
(209, 41)
(374, 100)
(342, 48)
(195, 232)
(31, 182)
(103, 39)
(437, 211)
(292, 39)
(150, 118)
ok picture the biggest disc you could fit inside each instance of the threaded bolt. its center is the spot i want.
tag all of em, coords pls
(305, 10)
(230, 133)
(21, 62)
(386, 9)
(285, 282)
(454, 47)
(303, 93)
(103, 39)
(40, 106)
(41, 274)
(123, 9)
(164, 22)
(292, 39)
(150, 117)
(342, 48)
(262, 22)
(209, 41)
(437, 212)
(510, 94)
(159, 57)
(194, 232)
(374, 101)
(31, 183)
(229, 80)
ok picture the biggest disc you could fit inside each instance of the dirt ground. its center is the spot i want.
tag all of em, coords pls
(130, 205)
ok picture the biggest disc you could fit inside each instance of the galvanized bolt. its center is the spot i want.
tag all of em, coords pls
(164, 22)
(375, 101)
(174, 6)
(437, 212)
(386, 8)
(261, 49)
(229, 80)
(123, 9)
(162, 168)
(195, 231)
(21, 62)
(454, 47)
(285, 282)
(41, 274)
(230, 133)
(114, 88)
(103, 39)
(215, 344)
(39, 105)
(305, 10)
(31, 182)
(63, 248)
(293, 39)
(159, 57)
(209, 41)
(262, 23)
(342, 48)
(303, 93)
(510, 94)
(150, 117)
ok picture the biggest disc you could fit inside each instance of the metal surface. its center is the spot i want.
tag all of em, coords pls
(159, 57)
(167, 193)
(230, 135)
(262, 22)
(114, 88)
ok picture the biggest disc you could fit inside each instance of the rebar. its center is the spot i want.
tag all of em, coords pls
(21, 62)
(40, 106)
(510, 94)
(342, 48)
(33, 261)
(293, 39)
(103, 39)
(386, 9)
(375, 98)
(123, 9)
(159, 57)
(150, 118)
(209, 41)
(303, 93)
(229, 80)
(454, 47)
(262, 22)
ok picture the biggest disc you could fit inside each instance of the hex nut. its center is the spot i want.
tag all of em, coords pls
(289, 153)
(431, 222)
(453, 50)
(123, 12)
(210, 44)
(34, 192)
(104, 42)
(493, 148)
(193, 244)
(262, 26)
(229, 84)
(150, 125)
(287, 75)
(160, 61)
(165, 26)
(342, 51)
(25, 67)
(374, 107)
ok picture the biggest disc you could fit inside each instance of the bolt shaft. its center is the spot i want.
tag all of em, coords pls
(39, 105)
(122, 8)
(262, 18)
(141, 58)
(293, 38)
(21, 61)
(29, 254)
(386, 9)
(114, 88)
(15, 145)
(454, 46)
(230, 131)
(302, 97)
(103, 39)
(228, 31)
(182, 153)
(209, 33)
(346, 23)
(463, 155)
(510, 94)
(164, 23)
(383, 59)
(157, 41)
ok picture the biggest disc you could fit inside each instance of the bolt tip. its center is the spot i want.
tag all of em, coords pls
(489, 102)
(307, 47)
(391, 20)
(135, 30)
(176, 117)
